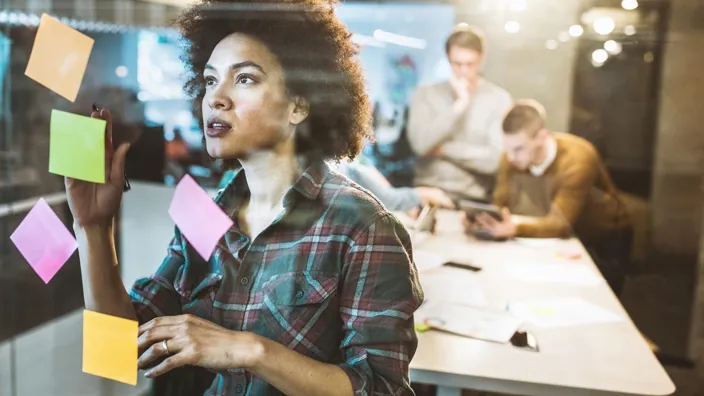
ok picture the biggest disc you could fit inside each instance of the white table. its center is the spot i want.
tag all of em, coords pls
(597, 359)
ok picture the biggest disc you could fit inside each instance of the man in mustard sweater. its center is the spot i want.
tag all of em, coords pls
(561, 181)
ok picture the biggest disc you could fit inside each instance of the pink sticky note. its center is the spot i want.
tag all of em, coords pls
(198, 217)
(44, 241)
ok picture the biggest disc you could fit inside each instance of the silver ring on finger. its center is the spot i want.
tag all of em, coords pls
(166, 348)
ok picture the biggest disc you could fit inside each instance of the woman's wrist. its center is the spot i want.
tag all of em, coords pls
(255, 350)
(105, 228)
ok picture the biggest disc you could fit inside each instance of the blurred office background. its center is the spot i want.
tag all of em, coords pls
(626, 75)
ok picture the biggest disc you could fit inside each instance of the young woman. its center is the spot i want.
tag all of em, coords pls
(312, 291)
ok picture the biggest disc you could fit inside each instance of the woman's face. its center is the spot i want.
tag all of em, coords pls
(245, 107)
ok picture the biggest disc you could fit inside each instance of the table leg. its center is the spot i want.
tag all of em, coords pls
(447, 391)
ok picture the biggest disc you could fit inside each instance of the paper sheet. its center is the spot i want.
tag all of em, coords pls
(539, 242)
(77, 146)
(59, 57)
(198, 217)
(562, 312)
(44, 241)
(110, 347)
(566, 273)
(453, 285)
(471, 322)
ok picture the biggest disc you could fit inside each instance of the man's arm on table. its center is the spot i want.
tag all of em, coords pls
(568, 203)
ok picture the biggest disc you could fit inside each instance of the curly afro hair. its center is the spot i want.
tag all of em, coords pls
(317, 56)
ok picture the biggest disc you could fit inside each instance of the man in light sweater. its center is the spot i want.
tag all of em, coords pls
(455, 126)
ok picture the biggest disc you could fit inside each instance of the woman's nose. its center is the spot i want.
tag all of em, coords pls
(219, 100)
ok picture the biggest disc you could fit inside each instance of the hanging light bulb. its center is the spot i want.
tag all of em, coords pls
(629, 5)
(604, 25)
(576, 30)
(613, 47)
(600, 56)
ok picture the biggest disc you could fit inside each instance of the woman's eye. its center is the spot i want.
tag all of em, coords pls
(244, 79)
(209, 81)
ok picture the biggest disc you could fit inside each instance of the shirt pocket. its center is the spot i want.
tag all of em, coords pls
(299, 310)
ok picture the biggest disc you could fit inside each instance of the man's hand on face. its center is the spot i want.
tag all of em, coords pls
(463, 91)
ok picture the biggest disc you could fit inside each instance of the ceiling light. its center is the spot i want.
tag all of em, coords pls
(629, 4)
(576, 30)
(600, 56)
(604, 25)
(613, 47)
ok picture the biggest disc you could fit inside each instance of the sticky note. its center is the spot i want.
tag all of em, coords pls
(77, 146)
(198, 217)
(44, 241)
(110, 347)
(59, 57)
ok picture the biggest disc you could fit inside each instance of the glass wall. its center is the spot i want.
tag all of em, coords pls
(619, 76)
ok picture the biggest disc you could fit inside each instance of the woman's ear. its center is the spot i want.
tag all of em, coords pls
(300, 111)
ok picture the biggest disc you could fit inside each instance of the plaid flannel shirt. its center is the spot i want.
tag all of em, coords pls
(331, 278)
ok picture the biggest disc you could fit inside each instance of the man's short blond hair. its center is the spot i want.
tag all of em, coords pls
(466, 36)
(526, 115)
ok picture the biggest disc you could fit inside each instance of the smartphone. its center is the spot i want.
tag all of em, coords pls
(472, 209)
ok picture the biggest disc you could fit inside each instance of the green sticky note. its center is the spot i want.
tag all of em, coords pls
(77, 146)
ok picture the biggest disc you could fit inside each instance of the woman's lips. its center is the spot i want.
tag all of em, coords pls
(217, 128)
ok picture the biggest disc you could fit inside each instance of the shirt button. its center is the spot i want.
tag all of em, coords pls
(299, 294)
(244, 280)
(238, 388)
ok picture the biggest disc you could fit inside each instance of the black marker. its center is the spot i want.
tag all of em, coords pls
(127, 186)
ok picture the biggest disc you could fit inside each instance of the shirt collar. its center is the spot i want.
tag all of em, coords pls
(311, 181)
(308, 185)
(539, 170)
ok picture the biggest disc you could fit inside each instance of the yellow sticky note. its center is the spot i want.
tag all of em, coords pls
(110, 347)
(59, 57)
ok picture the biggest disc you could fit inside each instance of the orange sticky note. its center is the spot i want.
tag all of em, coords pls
(59, 57)
(110, 347)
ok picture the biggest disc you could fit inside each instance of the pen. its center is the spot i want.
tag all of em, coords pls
(127, 186)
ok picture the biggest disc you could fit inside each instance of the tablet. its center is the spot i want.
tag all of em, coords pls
(472, 209)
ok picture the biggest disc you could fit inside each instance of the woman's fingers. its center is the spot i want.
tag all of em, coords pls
(158, 353)
(155, 335)
(105, 115)
(153, 353)
(117, 165)
(170, 363)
